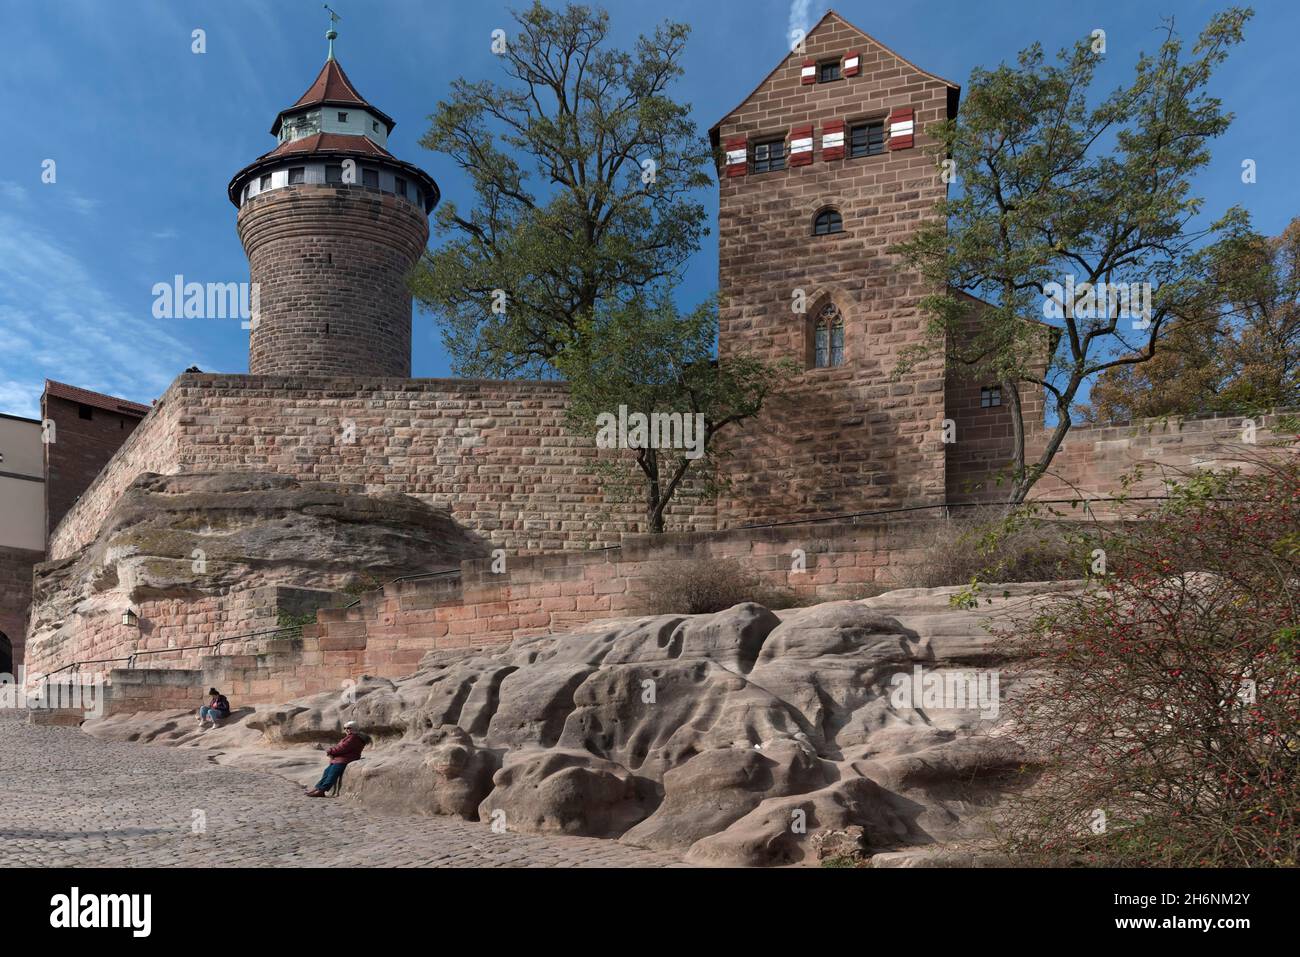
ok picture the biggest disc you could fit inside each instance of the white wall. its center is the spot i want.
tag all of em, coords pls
(22, 501)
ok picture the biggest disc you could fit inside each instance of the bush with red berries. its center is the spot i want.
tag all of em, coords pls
(1161, 705)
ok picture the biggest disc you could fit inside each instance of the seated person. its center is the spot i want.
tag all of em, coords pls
(218, 709)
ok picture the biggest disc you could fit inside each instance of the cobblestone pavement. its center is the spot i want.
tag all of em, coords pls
(67, 799)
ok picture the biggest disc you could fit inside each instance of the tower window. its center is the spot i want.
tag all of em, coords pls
(297, 175)
(264, 183)
(828, 221)
(990, 397)
(866, 139)
(769, 156)
(343, 117)
(333, 174)
(374, 126)
(399, 186)
(828, 338)
(370, 177)
(828, 72)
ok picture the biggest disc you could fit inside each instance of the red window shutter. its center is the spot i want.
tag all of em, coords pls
(832, 140)
(852, 63)
(808, 74)
(901, 130)
(737, 159)
(801, 145)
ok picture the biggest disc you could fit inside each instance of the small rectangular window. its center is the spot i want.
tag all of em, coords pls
(828, 71)
(370, 177)
(85, 412)
(866, 139)
(333, 174)
(399, 187)
(343, 117)
(264, 182)
(769, 157)
(297, 175)
(990, 397)
(374, 125)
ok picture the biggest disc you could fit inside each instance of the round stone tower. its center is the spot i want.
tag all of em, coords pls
(332, 224)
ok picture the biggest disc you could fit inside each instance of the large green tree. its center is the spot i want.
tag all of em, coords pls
(585, 174)
(649, 385)
(1061, 191)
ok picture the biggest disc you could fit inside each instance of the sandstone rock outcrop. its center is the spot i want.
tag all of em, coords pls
(193, 536)
(744, 737)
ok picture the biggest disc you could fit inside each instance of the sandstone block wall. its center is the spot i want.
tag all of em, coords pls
(1093, 459)
(388, 631)
(496, 454)
(180, 632)
(850, 438)
(331, 263)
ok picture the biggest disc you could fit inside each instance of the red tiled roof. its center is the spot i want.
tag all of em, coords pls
(329, 142)
(330, 86)
(110, 403)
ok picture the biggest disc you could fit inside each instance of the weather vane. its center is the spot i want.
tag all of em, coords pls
(332, 34)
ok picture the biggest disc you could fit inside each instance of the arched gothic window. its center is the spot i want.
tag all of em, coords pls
(828, 221)
(828, 338)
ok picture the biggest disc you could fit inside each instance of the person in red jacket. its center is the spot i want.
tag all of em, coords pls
(341, 755)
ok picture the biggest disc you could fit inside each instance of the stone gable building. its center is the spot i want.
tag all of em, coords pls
(824, 169)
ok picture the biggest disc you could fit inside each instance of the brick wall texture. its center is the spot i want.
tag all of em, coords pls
(331, 265)
(389, 630)
(496, 454)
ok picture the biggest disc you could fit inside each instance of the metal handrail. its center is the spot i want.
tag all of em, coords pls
(165, 651)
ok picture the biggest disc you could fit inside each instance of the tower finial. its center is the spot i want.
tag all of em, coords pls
(331, 35)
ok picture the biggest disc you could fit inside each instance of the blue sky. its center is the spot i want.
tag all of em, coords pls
(146, 135)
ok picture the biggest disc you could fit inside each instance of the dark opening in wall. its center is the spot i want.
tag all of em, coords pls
(828, 221)
(85, 412)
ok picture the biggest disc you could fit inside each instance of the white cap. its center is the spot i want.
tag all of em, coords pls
(349, 724)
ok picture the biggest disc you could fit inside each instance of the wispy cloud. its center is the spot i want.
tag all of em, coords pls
(800, 11)
(13, 192)
(60, 323)
(83, 205)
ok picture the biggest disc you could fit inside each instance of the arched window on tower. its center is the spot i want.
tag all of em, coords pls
(828, 337)
(828, 221)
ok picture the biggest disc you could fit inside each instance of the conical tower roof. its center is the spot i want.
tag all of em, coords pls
(332, 88)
